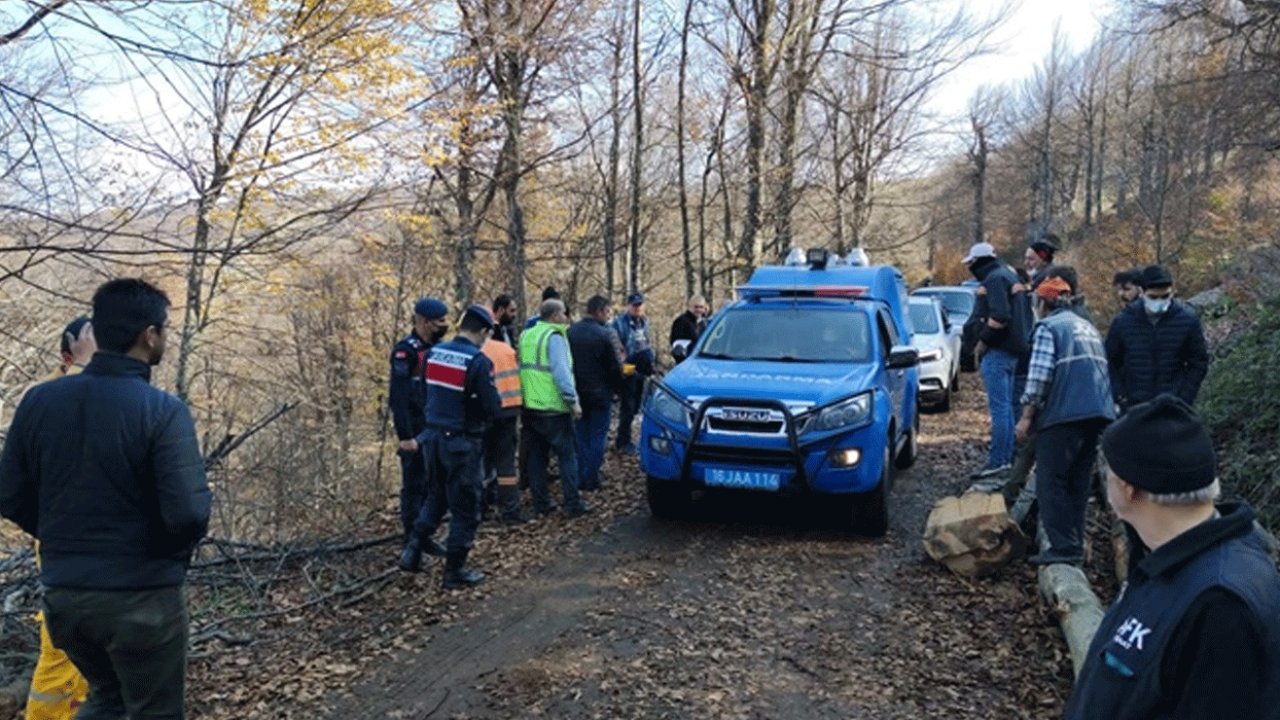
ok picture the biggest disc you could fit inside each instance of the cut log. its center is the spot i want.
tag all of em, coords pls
(1067, 592)
(972, 535)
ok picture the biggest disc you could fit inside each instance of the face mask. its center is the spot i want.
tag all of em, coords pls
(1155, 306)
(438, 335)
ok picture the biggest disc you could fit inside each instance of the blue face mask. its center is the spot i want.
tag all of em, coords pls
(1156, 306)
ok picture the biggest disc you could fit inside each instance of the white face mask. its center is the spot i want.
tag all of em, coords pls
(1156, 306)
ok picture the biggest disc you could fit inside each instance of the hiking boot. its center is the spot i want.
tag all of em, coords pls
(411, 556)
(520, 517)
(457, 575)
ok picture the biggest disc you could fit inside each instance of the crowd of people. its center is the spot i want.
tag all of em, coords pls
(480, 417)
(105, 471)
(1196, 631)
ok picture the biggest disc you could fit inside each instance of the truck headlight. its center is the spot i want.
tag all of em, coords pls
(845, 413)
(666, 405)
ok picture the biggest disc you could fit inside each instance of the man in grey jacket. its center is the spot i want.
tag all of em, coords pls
(104, 470)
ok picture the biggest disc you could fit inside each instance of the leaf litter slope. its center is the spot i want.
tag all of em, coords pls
(748, 612)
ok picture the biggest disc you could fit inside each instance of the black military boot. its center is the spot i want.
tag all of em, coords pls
(411, 555)
(456, 573)
(433, 547)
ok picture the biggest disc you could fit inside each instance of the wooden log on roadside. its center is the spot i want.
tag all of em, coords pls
(1068, 593)
(972, 535)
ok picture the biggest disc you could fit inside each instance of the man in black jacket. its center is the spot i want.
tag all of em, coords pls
(104, 470)
(689, 325)
(597, 373)
(1195, 633)
(1005, 310)
(407, 398)
(1156, 345)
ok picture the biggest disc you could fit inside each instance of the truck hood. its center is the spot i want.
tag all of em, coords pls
(799, 385)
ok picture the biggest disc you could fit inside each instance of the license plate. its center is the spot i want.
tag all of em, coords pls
(744, 479)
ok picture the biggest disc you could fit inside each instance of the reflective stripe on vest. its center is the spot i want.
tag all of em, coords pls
(506, 372)
(536, 381)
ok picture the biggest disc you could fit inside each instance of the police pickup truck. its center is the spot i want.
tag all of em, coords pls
(806, 384)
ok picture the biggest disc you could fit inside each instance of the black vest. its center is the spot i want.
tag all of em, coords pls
(1080, 388)
(1121, 679)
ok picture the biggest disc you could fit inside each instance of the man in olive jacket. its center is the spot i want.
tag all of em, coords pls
(104, 470)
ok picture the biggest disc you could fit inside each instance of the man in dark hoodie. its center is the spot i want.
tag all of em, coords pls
(105, 471)
(1005, 310)
(1156, 345)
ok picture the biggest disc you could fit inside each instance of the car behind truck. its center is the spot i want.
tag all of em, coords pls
(807, 384)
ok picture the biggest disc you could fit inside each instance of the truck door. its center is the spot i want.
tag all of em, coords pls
(897, 379)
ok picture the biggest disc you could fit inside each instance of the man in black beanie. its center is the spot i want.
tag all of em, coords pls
(1195, 632)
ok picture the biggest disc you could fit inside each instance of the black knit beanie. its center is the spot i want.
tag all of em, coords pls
(1162, 447)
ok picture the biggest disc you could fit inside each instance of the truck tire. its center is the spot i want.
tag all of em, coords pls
(668, 500)
(871, 509)
(911, 448)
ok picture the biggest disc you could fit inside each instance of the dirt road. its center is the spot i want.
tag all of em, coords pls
(750, 612)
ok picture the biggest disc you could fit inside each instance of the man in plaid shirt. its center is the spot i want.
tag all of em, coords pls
(1068, 403)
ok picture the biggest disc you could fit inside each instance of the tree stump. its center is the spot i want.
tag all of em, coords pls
(972, 535)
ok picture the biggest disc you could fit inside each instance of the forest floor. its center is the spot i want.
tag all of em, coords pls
(757, 609)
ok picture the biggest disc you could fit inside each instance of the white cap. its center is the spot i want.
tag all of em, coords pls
(980, 250)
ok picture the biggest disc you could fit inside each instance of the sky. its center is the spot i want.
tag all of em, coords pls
(1020, 44)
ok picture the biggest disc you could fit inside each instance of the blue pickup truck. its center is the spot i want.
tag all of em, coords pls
(806, 384)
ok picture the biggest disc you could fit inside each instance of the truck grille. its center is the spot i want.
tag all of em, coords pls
(736, 455)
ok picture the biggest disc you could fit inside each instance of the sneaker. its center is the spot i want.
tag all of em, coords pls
(988, 472)
(579, 511)
(627, 449)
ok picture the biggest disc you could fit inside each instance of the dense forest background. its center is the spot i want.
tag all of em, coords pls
(295, 174)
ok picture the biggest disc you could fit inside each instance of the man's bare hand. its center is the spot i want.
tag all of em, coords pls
(410, 445)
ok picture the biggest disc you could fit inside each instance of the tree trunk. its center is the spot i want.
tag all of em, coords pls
(685, 240)
(637, 151)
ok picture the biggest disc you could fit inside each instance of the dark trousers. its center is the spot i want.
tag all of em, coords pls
(545, 433)
(628, 407)
(591, 433)
(130, 645)
(413, 487)
(1065, 455)
(456, 477)
(500, 465)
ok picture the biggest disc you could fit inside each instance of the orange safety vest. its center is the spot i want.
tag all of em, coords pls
(506, 372)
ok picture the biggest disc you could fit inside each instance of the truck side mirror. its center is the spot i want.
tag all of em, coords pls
(903, 356)
(680, 350)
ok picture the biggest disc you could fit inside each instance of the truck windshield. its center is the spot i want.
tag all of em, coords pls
(790, 335)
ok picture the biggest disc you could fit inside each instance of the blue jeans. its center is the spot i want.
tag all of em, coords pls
(591, 432)
(544, 434)
(997, 375)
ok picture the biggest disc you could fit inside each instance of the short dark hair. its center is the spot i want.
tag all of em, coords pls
(1127, 277)
(1068, 275)
(550, 293)
(596, 303)
(502, 301)
(124, 308)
